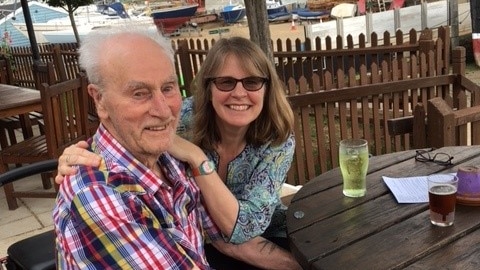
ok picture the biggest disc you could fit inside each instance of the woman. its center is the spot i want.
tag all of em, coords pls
(240, 117)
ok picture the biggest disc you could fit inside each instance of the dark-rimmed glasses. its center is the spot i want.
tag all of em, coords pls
(226, 84)
(443, 159)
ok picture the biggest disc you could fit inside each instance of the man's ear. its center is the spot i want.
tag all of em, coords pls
(96, 94)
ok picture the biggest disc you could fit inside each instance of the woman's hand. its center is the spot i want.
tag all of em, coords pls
(186, 151)
(75, 155)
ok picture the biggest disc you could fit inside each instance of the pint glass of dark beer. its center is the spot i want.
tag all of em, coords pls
(442, 190)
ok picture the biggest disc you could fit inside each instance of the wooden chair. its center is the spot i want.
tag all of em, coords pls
(42, 73)
(413, 125)
(64, 108)
(65, 71)
(7, 125)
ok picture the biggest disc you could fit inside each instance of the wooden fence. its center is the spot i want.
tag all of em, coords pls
(293, 59)
(323, 118)
(338, 93)
(64, 57)
(296, 59)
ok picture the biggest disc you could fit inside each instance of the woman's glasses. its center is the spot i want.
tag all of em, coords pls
(439, 158)
(226, 84)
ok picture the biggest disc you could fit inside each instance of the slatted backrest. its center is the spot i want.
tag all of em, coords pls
(64, 106)
(6, 76)
(43, 73)
(444, 124)
(324, 118)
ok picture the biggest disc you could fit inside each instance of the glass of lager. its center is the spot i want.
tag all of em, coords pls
(442, 190)
(353, 157)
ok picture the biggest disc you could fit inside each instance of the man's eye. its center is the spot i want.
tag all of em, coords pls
(170, 88)
(141, 94)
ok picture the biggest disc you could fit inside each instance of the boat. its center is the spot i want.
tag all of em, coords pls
(84, 15)
(307, 14)
(343, 10)
(275, 6)
(233, 13)
(276, 11)
(475, 10)
(89, 17)
(168, 19)
(67, 36)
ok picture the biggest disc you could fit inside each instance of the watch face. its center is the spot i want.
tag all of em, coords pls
(208, 167)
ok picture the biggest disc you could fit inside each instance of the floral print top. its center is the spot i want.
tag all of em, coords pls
(255, 178)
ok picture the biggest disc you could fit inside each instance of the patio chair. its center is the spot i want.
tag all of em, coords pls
(64, 108)
(42, 73)
(36, 252)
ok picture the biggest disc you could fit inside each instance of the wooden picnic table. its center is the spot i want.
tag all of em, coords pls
(15, 100)
(330, 231)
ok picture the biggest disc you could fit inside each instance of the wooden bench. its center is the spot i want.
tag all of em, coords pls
(449, 127)
(382, 113)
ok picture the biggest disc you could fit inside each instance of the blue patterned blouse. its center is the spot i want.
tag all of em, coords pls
(255, 178)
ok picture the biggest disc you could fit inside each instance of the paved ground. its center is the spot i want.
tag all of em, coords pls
(33, 216)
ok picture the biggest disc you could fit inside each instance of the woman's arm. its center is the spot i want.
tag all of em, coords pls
(222, 205)
(258, 195)
(220, 202)
(259, 252)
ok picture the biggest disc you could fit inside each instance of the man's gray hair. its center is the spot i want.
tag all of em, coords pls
(93, 45)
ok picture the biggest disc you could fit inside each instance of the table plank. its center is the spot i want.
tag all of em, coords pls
(333, 202)
(330, 231)
(331, 178)
(464, 255)
(416, 236)
(336, 232)
(16, 100)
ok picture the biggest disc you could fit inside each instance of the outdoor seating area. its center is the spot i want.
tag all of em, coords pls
(399, 95)
(56, 104)
(385, 81)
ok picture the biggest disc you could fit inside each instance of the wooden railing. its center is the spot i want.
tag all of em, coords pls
(296, 59)
(323, 118)
(293, 58)
(64, 57)
(336, 93)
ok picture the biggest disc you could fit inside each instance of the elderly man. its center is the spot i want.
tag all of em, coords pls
(139, 209)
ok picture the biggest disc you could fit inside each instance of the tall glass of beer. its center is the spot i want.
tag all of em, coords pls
(442, 190)
(353, 157)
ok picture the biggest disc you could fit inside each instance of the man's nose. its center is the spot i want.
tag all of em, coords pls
(159, 105)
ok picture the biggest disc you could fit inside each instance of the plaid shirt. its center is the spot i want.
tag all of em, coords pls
(122, 216)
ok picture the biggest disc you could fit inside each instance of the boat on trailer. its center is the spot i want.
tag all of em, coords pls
(168, 19)
(277, 12)
(233, 13)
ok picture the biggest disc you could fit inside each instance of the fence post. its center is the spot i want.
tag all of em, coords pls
(369, 26)
(458, 60)
(440, 123)
(419, 135)
(59, 64)
(185, 65)
(458, 67)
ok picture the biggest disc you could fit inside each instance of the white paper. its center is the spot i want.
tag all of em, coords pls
(408, 189)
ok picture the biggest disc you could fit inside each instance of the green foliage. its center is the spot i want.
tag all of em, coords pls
(5, 43)
(69, 5)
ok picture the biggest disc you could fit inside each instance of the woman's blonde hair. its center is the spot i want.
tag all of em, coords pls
(275, 122)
